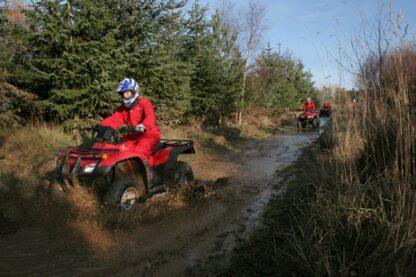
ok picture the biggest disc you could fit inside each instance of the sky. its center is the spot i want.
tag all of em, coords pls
(315, 31)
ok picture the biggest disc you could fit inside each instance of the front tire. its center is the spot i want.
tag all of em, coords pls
(125, 193)
(302, 123)
(315, 122)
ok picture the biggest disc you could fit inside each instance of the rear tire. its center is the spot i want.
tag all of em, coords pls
(183, 174)
(315, 122)
(125, 193)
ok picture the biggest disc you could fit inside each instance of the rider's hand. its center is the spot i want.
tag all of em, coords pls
(140, 128)
(124, 129)
(105, 132)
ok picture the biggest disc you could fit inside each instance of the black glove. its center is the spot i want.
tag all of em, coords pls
(105, 132)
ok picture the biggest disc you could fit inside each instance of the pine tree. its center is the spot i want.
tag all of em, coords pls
(165, 73)
(279, 82)
(75, 65)
(218, 65)
(13, 39)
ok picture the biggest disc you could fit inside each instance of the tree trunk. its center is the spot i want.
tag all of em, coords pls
(240, 113)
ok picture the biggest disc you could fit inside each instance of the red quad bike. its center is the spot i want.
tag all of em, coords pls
(308, 117)
(119, 175)
(326, 110)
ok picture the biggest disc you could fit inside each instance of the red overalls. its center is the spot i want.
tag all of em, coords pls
(141, 111)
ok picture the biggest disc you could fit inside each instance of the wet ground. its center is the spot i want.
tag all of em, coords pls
(189, 232)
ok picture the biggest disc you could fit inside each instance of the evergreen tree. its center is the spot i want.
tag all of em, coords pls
(158, 63)
(13, 39)
(217, 66)
(75, 60)
(278, 82)
(72, 54)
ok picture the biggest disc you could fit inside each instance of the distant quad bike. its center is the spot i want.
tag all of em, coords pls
(308, 117)
(125, 178)
(325, 111)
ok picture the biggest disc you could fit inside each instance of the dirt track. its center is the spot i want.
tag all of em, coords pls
(192, 232)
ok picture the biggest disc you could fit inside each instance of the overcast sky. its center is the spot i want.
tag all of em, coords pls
(313, 30)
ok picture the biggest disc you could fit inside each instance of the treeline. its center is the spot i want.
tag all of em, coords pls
(71, 54)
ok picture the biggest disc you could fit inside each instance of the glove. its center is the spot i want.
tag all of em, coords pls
(104, 132)
(124, 129)
(140, 128)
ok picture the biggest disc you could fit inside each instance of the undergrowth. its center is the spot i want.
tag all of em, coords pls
(350, 211)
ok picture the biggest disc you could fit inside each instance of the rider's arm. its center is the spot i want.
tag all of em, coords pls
(149, 120)
(115, 121)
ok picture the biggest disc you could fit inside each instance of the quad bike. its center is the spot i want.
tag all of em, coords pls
(308, 117)
(124, 177)
(325, 111)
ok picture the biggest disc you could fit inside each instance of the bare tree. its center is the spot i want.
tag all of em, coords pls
(252, 29)
(230, 16)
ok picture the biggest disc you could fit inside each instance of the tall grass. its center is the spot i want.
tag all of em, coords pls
(352, 211)
(359, 215)
(375, 160)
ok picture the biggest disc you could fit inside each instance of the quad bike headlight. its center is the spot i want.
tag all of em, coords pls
(89, 168)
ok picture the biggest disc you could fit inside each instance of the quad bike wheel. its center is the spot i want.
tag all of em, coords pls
(315, 122)
(183, 174)
(301, 124)
(125, 193)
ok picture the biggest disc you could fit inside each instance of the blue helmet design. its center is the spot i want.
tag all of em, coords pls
(129, 84)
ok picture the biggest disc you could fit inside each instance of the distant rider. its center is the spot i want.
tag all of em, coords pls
(327, 106)
(138, 112)
(309, 105)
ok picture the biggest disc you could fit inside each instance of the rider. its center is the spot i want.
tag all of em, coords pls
(327, 106)
(137, 112)
(309, 105)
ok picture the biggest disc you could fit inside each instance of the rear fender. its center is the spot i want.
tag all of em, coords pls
(163, 172)
(184, 149)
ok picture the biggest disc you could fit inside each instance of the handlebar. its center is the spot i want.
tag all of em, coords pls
(125, 129)
(109, 134)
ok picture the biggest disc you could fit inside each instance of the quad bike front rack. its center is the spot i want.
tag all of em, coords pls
(70, 174)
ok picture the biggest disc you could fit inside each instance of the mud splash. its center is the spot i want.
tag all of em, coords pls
(188, 231)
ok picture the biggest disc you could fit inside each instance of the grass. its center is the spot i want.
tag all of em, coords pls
(259, 256)
(350, 211)
(29, 152)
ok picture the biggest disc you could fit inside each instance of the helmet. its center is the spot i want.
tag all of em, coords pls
(128, 84)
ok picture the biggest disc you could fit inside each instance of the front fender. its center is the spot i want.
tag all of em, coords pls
(130, 163)
(105, 166)
(121, 156)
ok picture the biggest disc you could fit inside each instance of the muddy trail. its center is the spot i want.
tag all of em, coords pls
(192, 231)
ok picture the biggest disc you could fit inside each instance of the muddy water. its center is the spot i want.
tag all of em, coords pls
(176, 235)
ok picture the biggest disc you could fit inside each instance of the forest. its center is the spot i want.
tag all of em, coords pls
(61, 62)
